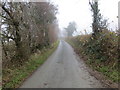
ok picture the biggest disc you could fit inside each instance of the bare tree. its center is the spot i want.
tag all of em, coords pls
(26, 27)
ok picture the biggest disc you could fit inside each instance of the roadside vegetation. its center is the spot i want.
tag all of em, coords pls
(100, 49)
(15, 76)
(101, 53)
(27, 28)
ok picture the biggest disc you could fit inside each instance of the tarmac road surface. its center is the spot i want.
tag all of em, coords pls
(62, 70)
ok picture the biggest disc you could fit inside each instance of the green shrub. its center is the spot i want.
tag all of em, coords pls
(101, 52)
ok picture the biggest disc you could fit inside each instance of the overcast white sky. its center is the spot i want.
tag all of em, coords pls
(79, 11)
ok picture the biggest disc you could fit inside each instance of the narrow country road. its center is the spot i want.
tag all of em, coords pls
(62, 70)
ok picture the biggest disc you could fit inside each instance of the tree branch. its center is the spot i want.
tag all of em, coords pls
(8, 37)
(3, 7)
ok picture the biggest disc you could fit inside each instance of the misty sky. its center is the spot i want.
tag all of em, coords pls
(79, 11)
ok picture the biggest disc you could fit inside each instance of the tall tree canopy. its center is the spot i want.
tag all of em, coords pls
(25, 26)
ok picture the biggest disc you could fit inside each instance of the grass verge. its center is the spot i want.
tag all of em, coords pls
(18, 75)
